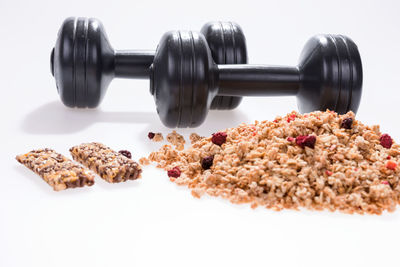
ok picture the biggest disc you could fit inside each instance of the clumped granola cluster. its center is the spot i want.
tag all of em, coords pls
(177, 140)
(156, 137)
(319, 160)
(194, 137)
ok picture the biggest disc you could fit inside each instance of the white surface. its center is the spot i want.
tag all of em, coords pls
(153, 222)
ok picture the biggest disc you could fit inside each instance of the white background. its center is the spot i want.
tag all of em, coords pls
(153, 222)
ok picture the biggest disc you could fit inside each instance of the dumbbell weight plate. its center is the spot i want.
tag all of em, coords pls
(180, 79)
(335, 60)
(228, 46)
(82, 62)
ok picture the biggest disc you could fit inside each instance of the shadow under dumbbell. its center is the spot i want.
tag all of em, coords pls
(55, 118)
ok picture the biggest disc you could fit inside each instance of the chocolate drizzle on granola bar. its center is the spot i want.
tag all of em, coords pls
(58, 171)
(107, 163)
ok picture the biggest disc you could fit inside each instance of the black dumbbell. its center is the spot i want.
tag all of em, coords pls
(184, 79)
(83, 62)
(228, 46)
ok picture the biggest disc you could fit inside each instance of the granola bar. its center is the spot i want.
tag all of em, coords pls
(107, 163)
(58, 171)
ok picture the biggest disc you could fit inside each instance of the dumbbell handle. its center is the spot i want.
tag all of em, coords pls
(133, 63)
(257, 80)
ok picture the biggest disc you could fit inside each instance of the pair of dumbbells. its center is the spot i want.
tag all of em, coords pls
(185, 79)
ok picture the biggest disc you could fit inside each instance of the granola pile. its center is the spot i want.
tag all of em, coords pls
(317, 161)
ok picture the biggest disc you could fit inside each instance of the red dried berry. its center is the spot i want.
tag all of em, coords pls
(329, 173)
(207, 162)
(126, 153)
(151, 135)
(389, 157)
(174, 172)
(347, 123)
(306, 140)
(290, 139)
(384, 182)
(391, 165)
(292, 117)
(219, 138)
(386, 141)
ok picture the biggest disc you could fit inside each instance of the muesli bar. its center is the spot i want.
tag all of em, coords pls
(107, 163)
(58, 171)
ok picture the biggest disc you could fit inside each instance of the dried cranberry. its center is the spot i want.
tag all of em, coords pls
(292, 117)
(385, 182)
(306, 140)
(346, 123)
(207, 162)
(290, 139)
(386, 141)
(126, 153)
(151, 135)
(328, 172)
(219, 138)
(391, 165)
(174, 172)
